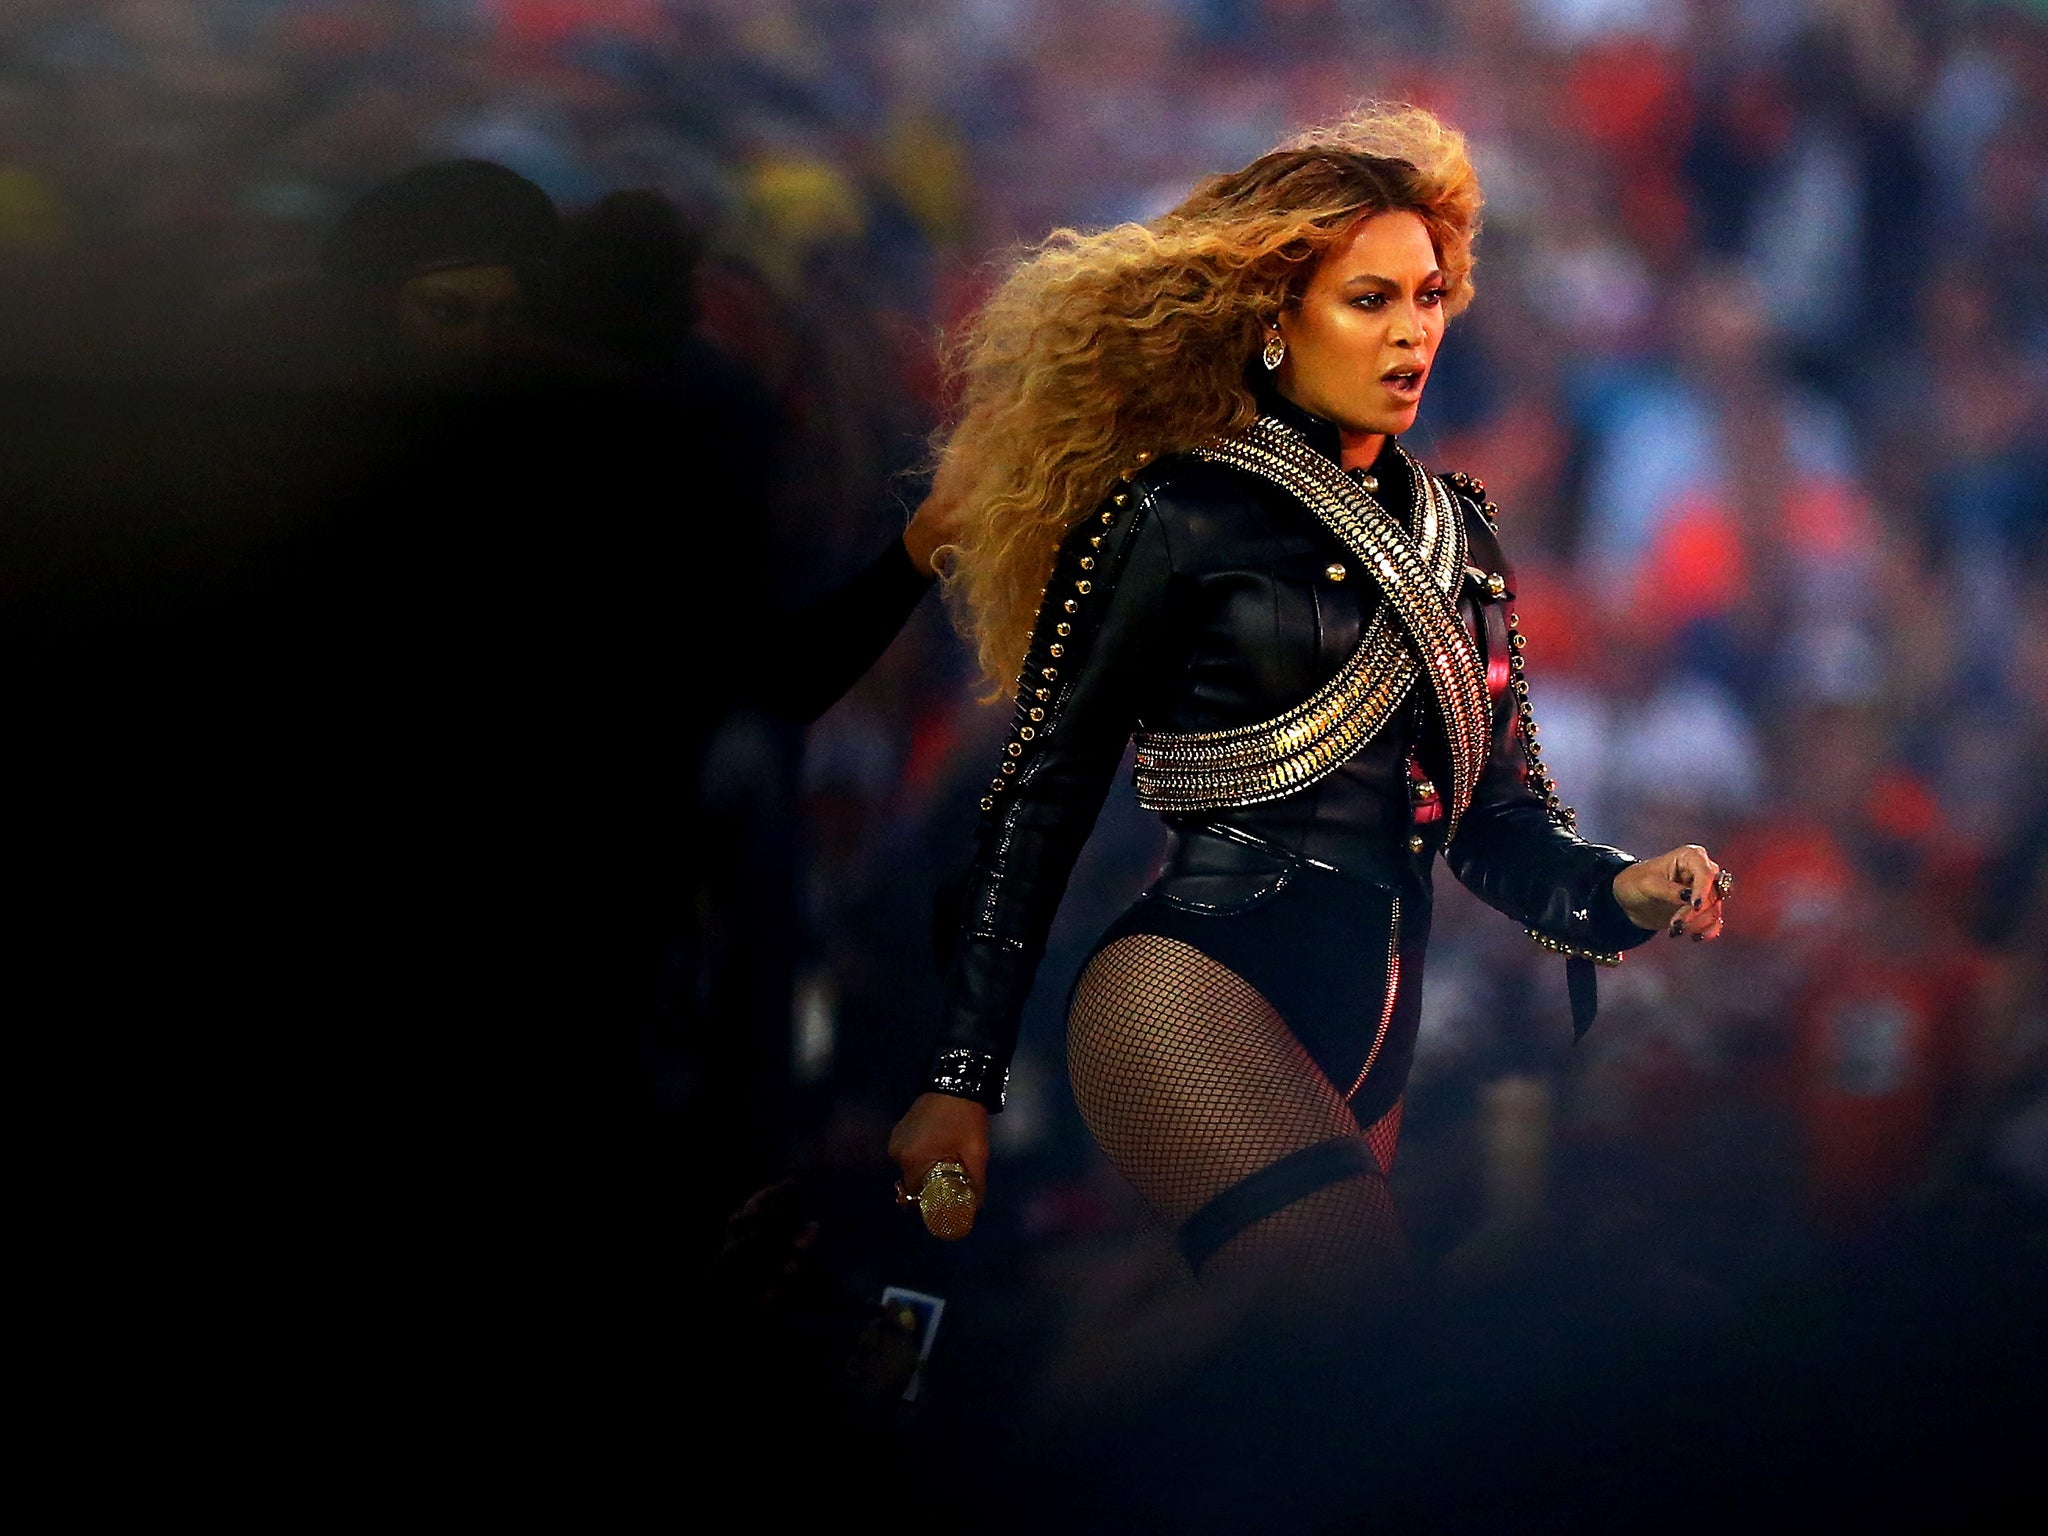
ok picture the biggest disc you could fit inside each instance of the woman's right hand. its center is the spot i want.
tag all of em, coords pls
(941, 1127)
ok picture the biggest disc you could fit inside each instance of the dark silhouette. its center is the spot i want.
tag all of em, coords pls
(361, 717)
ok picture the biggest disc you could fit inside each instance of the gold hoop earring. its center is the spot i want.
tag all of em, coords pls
(1276, 351)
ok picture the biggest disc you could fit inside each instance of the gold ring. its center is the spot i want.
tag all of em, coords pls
(1724, 882)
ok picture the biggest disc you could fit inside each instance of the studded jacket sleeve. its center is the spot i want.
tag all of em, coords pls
(1100, 641)
(1517, 847)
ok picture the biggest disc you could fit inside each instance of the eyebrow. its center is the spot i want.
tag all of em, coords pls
(1374, 280)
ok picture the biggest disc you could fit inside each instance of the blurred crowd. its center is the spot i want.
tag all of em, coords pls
(1758, 373)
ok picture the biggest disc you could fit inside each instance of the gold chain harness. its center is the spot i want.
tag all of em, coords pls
(1416, 630)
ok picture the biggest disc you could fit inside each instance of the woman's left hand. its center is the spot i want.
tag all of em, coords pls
(1681, 892)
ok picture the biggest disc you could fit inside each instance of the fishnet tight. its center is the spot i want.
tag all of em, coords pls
(1191, 1082)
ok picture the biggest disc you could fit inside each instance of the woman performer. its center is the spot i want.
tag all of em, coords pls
(1187, 516)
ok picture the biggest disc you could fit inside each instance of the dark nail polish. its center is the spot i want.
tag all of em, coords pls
(1696, 938)
(1697, 905)
(1685, 895)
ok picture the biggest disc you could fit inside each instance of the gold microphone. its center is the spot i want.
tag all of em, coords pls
(947, 1201)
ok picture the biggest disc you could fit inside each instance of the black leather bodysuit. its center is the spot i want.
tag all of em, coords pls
(1200, 598)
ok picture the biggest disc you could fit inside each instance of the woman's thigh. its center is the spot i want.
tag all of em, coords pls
(1188, 1078)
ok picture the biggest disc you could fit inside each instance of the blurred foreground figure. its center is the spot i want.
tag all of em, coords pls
(361, 706)
(1193, 427)
(446, 259)
(567, 546)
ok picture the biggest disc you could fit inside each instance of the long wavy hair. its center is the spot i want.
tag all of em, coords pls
(1102, 348)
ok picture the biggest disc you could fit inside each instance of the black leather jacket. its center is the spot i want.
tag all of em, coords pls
(1199, 598)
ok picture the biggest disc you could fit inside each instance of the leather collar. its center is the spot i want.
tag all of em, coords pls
(1320, 432)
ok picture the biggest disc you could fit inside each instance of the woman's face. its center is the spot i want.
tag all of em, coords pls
(1361, 341)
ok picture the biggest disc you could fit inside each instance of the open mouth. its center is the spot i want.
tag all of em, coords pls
(1405, 381)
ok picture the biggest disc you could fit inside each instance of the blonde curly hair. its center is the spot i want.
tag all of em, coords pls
(1100, 347)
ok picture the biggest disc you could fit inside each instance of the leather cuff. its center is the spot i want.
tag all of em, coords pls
(970, 1074)
(1612, 927)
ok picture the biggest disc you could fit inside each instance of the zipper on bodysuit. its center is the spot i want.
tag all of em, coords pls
(1387, 1006)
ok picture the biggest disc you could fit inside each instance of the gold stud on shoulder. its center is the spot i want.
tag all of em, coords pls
(1335, 571)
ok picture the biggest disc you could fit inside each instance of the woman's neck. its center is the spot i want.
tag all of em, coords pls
(1361, 449)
